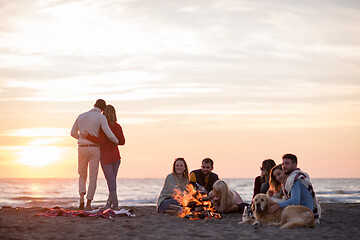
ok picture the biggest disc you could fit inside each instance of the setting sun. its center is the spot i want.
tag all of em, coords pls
(38, 132)
(39, 156)
(40, 146)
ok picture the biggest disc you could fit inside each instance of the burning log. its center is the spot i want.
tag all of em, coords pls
(196, 216)
(195, 205)
(176, 208)
(192, 205)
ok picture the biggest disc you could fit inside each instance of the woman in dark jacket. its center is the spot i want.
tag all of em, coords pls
(261, 184)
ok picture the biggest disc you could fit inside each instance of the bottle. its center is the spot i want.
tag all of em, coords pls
(245, 215)
(201, 189)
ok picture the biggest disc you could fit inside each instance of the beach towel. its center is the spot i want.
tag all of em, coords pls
(104, 213)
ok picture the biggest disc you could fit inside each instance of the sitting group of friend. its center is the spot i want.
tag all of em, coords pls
(285, 184)
(224, 199)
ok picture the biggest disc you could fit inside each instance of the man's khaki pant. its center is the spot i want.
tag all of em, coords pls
(88, 156)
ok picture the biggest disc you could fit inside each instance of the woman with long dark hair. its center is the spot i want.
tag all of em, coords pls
(261, 184)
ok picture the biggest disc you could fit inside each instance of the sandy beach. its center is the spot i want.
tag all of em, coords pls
(339, 221)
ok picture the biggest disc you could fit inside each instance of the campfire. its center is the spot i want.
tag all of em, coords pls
(194, 204)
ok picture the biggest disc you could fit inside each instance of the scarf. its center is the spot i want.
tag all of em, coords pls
(295, 175)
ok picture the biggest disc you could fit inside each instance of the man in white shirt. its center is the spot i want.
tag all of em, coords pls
(88, 152)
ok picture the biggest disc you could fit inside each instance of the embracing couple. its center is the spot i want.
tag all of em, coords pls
(291, 186)
(98, 138)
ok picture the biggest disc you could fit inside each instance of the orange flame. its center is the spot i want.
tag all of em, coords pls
(190, 195)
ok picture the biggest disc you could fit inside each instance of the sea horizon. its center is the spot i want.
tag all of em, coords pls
(63, 192)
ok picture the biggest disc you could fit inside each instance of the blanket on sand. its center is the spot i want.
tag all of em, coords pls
(104, 213)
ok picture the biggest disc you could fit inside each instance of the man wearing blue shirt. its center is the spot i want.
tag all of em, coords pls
(295, 191)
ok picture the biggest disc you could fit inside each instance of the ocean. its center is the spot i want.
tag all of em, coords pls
(144, 192)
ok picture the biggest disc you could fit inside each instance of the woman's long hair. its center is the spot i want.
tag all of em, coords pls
(227, 197)
(275, 185)
(186, 171)
(110, 114)
(267, 165)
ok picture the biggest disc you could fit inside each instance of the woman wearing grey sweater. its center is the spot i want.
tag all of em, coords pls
(178, 179)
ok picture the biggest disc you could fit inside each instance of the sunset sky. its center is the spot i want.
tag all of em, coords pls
(237, 81)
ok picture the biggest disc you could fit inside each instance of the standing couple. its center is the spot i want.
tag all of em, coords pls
(98, 138)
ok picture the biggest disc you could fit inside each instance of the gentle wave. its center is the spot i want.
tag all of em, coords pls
(338, 192)
(40, 198)
(143, 192)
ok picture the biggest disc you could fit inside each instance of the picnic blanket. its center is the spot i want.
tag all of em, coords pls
(104, 213)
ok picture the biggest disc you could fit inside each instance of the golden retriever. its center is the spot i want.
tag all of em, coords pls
(289, 217)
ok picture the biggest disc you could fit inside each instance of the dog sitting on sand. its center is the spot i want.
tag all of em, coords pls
(289, 217)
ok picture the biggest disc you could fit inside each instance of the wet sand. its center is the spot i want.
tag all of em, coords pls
(339, 221)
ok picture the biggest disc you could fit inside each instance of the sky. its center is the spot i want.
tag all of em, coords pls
(239, 81)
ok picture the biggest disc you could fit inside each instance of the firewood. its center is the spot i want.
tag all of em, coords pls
(199, 208)
(192, 205)
(172, 212)
(176, 208)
